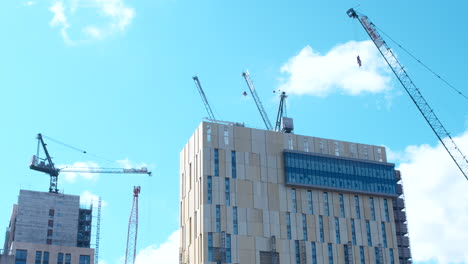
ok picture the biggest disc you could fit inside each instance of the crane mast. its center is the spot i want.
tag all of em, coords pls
(415, 94)
(130, 252)
(281, 111)
(203, 96)
(257, 100)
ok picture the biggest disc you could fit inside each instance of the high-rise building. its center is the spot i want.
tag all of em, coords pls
(255, 196)
(48, 228)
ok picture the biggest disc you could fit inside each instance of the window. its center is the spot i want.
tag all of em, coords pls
(218, 218)
(304, 226)
(234, 220)
(85, 259)
(216, 162)
(314, 253)
(386, 210)
(377, 256)
(227, 187)
(21, 256)
(190, 176)
(352, 150)
(233, 161)
(366, 153)
(392, 259)
(298, 253)
(67, 258)
(384, 235)
(369, 239)
(357, 207)
(353, 232)
(337, 149)
(51, 212)
(294, 201)
(322, 238)
(372, 209)
(346, 254)
(49, 241)
(208, 134)
(290, 143)
(330, 253)
(49, 232)
(190, 231)
(60, 258)
(288, 225)
(228, 248)
(379, 154)
(321, 146)
(51, 223)
(226, 136)
(306, 145)
(325, 203)
(361, 255)
(210, 246)
(337, 230)
(309, 202)
(210, 190)
(342, 212)
(45, 258)
(38, 257)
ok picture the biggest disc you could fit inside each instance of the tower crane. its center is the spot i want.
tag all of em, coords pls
(428, 113)
(281, 111)
(262, 111)
(130, 252)
(47, 166)
(203, 96)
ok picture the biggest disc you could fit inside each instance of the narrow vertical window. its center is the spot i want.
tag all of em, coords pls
(210, 246)
(226, 136)
(304, 226)
(190, 176)
(306, 145)
(384, 235)
(190, 231)
(337, 231)
(288, 225)
(392, 258)
(67, 258)
(210, 190)
(321, 146)
(218, 218)
(298, 253)
(361, 255)
(352, 150)
(60, 258)
(21, 256)
(227, 187)
(208, 133)
(325, 203)
(228, 248)
(342, 212)
(195, 220)
(309, 202)
(290, 143)
(85, 259)
(357, 207)
(330, 253)
(234, 220)
(353, 231)
(337, 148)
(386, 210)
(38, 257)
(372, 209)
(369, 239)
(216, 162)
(366, 153)
(379, 154)
(377, 256)
(294, 201)
(234, 166)
(322, 238)
(45, 258)
(346, 254)
(314, 253)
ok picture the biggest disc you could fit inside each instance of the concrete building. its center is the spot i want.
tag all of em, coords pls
(254, 196)
(48, 228)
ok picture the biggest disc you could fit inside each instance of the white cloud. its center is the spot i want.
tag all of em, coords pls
(88, 198)
(82, 170)
(128, 164)
(29, 3)
(311, 73)
(436, 201)
(100, 19)
(167, 252)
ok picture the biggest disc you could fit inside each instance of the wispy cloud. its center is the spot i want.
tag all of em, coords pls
(167, 252)
(29, 3)
(312, 73)
(436, 201)
(88, 198)
(103, 18)
(83, 167)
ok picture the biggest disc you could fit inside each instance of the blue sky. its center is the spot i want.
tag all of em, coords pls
(113, 77)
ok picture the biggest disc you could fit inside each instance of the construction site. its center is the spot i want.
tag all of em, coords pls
(247, 195)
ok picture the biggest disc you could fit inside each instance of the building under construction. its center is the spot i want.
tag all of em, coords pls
(47, 227)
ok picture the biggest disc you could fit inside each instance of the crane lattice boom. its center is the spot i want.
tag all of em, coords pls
(415, 94)
(130, 252)
(257, 100)
(203, 96)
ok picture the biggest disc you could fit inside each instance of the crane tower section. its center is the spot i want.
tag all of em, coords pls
(257, 100)
(203, 97)
(428, 113)
(130, 252)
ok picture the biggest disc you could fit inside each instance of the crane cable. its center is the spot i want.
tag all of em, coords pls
(424, 65)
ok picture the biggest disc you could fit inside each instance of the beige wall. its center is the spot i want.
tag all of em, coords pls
(263, 200)
(53, 252)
